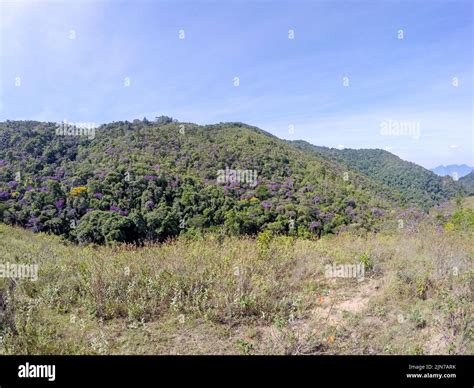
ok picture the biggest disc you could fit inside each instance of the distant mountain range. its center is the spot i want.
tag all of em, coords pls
(456, 171)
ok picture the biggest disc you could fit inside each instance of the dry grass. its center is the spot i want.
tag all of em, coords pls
(225, 295)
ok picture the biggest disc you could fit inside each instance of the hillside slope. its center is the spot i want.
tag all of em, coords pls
(411, 182)
(468, 182)
(142, 180)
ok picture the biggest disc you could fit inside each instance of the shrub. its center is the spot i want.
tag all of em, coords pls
(463, 219)
(366, 261)
(104, 227)
(263, 242)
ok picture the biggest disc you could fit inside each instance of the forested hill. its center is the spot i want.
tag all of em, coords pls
(468, 182)
(152, 180)
(412, 183)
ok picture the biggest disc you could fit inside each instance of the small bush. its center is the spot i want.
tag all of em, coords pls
(366, 261)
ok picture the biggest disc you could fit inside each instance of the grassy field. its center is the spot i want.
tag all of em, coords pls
(225, 295)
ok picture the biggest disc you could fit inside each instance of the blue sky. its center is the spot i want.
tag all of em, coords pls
(70, 60)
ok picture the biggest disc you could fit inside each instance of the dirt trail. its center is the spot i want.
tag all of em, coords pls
(333, 307)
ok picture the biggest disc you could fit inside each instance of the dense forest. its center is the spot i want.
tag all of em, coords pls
(468, 182)
(411, 182)
(151, 180)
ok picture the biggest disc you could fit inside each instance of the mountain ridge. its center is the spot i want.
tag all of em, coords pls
(153, 180)
(451, 169)
(414, 182)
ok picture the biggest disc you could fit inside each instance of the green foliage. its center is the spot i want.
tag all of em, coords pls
(263, 242)
(410, 183)
(366, 261)
(422, 285)
(417, 318)
(163, 182)
(161, 120)
(462, 219)
(244, 346)
(468, 182)
(104, 227)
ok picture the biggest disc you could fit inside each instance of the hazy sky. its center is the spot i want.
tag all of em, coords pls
(360, 74)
